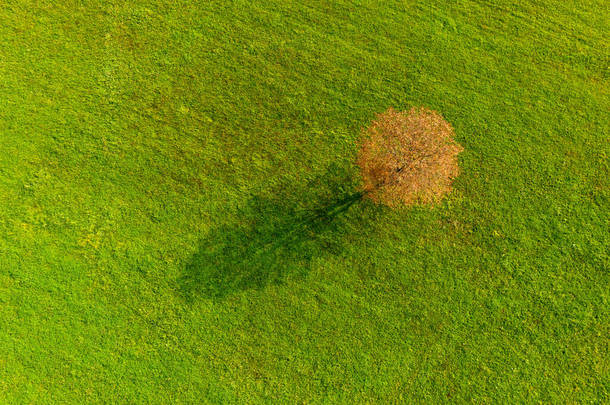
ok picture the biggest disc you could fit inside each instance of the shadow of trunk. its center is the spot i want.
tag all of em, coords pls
(278, 240)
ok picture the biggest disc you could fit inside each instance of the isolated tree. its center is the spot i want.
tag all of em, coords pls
(408, 157)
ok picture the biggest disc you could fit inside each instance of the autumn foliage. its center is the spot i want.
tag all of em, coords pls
(408, 157)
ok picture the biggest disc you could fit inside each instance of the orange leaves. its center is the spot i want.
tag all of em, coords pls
(408, 157)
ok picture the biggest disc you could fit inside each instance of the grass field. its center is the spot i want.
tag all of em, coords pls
(164, 165)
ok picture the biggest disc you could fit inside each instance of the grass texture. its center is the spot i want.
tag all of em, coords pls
(180, 223)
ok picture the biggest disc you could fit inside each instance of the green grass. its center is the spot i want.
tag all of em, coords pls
(169, 172)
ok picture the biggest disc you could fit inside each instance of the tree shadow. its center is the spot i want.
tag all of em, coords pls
(278, 238)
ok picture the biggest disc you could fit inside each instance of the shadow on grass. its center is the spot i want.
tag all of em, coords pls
(278, 238)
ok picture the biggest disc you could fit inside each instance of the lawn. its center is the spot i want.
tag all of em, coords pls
(163, 164)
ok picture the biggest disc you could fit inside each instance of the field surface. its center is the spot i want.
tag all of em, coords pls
(177, 222)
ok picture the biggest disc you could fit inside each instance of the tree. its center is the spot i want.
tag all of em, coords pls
(408, 157)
